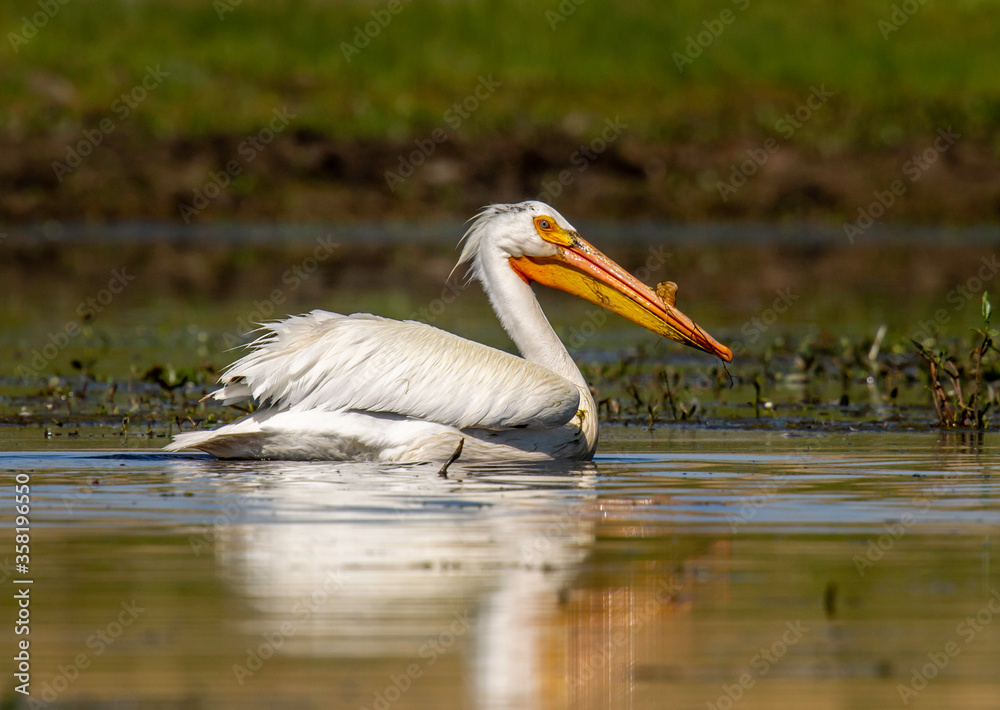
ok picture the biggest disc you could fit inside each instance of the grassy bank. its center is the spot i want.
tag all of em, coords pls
(227, 74)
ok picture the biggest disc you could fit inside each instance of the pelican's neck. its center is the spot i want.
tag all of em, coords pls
(520, 315)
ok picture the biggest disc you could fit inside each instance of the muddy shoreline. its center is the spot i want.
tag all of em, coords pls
(305, 176)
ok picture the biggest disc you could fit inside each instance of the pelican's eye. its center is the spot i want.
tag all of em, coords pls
(552, 232)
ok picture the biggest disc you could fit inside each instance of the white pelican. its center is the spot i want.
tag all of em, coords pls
(330, 386)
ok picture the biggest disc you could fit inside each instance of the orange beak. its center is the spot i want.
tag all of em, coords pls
(582, 270)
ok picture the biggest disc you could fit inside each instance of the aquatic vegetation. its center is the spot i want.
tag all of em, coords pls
(947, 374)
(834, 365)
(786, 384)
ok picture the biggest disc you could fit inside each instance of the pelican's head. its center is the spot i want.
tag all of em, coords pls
(540, 245)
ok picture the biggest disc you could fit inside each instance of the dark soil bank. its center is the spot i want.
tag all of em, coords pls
(304, 176)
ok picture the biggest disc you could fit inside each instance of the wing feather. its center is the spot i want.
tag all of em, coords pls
(328, 361)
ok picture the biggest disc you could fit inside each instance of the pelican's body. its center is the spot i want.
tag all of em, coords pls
(330, 386)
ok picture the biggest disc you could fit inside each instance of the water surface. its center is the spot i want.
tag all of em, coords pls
(689, 568)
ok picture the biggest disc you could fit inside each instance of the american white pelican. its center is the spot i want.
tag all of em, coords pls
(330, 386)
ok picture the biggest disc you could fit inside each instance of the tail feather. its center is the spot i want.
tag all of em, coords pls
(238, 439)
(190, 440)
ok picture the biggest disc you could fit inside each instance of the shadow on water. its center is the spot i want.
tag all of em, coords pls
(741, 568)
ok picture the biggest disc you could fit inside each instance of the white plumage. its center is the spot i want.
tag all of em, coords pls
(330, 386)
(331, 362)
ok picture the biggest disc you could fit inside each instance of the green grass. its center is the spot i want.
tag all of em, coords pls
(607, 59)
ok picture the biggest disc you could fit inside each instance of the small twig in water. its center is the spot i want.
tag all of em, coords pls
(443, 473)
